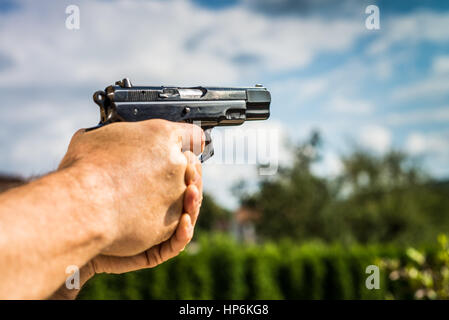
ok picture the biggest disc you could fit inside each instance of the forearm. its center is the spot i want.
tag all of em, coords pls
(62, 219)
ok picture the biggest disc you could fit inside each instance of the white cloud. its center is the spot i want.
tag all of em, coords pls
(432, 86)
(440, 64)
(433, 148)
(376, 138)
(293, 94)
(383, 69)
(419, 143)
(178, 42)
(329, 166)
(37, 134)
(152, 42)
(435, 115)
(435, 83)
(412, 29)
(353, 106)
(160, 41)
(302, 89)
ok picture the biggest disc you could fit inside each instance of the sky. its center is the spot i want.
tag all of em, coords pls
(377, 89)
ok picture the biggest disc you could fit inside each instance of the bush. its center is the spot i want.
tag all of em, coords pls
(220, 268)
(225, 265)
(262, 272)
(420, 275)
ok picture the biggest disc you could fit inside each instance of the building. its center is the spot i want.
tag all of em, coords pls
(243, 227)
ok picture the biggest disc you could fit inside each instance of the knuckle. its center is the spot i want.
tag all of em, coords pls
(113, 126)
(159, 123)
(189, 236)
(79, 132)
(159, 126)
(181, 165)
(177, 163)
(156, 256)
(77, 135)
(95, 266)
(191, 158)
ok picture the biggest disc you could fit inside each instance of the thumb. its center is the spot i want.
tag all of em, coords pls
(191, 137)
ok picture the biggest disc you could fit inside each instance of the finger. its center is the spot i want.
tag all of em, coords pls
(173, 246)
(193, 196)
(151, 257)
(110, 264)
(191, 177)
(193, 170)
(191, 137)
(192, 200)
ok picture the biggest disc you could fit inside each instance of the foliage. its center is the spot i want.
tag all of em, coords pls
(220, 268)
(375, 199)
(327, 230)
(427, 275)
(213, 216)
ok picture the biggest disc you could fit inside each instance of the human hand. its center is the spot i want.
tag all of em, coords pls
(148, 259)
(169, 248)
(158, 253)
(142, 171)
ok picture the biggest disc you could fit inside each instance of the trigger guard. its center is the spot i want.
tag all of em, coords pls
(208, 151)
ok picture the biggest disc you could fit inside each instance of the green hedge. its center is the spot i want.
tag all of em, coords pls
(222, 269)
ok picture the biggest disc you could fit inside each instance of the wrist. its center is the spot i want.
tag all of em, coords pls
(97, 201)
(63, 293)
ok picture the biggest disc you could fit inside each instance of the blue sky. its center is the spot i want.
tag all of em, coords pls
(379, 89)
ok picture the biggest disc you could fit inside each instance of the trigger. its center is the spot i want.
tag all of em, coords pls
(208, 146)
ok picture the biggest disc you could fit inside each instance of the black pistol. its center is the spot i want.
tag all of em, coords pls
(206, 106)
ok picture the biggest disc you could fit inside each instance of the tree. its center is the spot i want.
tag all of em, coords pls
(376, 198)
(212, 215)
(291, 204)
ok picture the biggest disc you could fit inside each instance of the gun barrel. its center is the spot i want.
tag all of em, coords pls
(258, 104)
